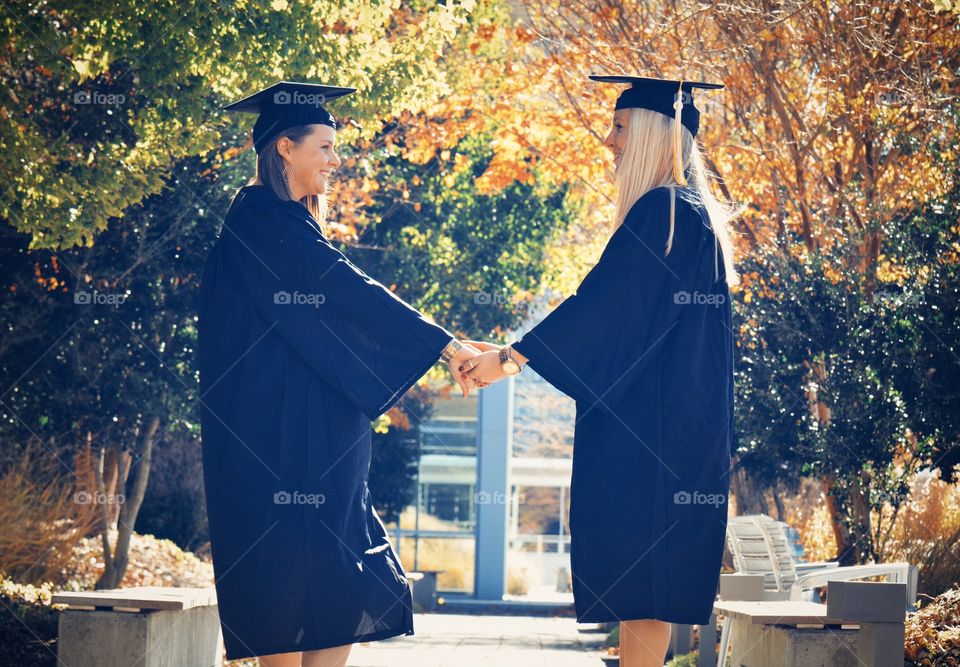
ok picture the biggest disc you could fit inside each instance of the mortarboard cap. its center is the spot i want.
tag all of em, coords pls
(659, 95)
(287, 104)
(671, 97)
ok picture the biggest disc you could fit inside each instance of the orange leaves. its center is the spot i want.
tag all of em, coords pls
(523, 35)
(399, 418)
(484, 33)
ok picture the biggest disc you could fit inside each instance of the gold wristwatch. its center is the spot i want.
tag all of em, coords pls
(509, 365)
(451, 350)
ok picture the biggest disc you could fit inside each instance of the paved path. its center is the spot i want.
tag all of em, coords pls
(453, 640)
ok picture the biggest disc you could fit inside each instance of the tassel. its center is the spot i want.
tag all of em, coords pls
(673, 205)
(716, 264)
(678, 174)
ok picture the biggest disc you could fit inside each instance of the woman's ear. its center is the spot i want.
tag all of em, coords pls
(283, 146)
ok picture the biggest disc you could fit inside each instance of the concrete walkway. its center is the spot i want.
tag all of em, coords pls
(454, 640)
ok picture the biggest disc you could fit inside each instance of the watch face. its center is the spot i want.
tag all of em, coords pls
(510, 368)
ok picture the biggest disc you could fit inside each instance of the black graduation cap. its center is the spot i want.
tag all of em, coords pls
(671, 97)
(660, 95)
(288, 104)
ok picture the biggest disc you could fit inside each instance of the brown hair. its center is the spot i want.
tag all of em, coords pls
(271, 173)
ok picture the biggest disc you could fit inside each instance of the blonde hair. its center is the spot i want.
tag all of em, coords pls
(272, 173)
(647, 163)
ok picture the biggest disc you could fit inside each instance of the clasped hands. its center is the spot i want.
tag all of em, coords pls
(476, 365)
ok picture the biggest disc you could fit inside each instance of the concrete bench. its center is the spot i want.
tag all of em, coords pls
(425, 590)
(862, 625)
(147, 626)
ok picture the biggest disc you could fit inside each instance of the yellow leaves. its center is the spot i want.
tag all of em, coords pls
(382, 424)
(833, 274)
(279, 5)
(888, 271)
(83, 68)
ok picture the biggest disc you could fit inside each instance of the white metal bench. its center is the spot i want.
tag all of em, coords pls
(760, 547)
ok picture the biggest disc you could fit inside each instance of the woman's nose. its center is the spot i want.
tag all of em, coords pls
(608, 142)
(336, 160)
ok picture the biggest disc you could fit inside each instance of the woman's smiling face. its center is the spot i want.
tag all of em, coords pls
(310, 163)
(617, 138)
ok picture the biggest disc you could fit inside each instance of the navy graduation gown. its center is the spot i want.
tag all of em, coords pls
(298, 351)
(645, 348)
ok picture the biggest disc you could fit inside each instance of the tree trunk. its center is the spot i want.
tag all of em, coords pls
(749, 497)
(116, 566)
(101, 477)
(850, 520)
(778, 502)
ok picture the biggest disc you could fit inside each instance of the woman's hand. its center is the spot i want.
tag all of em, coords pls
(483, 347)
(467, 352)
(484, 369)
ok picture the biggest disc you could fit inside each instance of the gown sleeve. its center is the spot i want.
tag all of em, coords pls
(348, 328)
(598, 340)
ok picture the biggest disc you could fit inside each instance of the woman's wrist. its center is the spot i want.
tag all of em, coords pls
(451, 350)
(519, 358)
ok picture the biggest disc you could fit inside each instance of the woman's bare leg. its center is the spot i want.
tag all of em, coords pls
(328, 657)
(643, 643)
(280, 660)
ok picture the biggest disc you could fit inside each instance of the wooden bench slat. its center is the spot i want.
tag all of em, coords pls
(777, 612)
(140, 597)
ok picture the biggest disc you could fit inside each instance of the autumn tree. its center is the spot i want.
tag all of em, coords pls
(833, 129)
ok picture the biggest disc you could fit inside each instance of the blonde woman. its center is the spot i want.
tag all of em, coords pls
(645, 347)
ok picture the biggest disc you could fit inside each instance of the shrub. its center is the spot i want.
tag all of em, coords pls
(41, 524)
(687, 660)
(933, 633)
(28, 625)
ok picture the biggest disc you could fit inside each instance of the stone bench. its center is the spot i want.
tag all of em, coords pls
(862, 625)
(146, 626)
(425, 590)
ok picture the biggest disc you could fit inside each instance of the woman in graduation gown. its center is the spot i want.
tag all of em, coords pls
(645, 347)
(298, 351)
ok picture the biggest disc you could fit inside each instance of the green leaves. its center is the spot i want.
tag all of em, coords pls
(104, 98)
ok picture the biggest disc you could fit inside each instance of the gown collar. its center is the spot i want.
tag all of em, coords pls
(257, 194)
